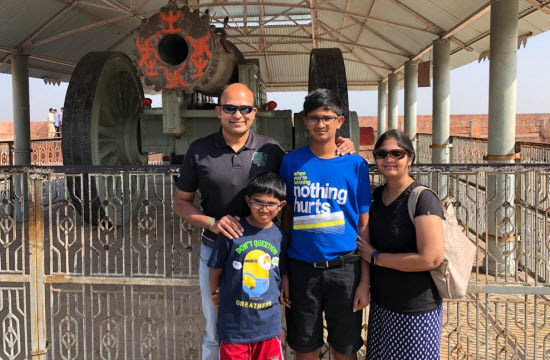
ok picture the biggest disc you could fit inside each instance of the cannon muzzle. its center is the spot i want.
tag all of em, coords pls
(179, 50)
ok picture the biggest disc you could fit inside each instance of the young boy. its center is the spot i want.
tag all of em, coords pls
(328, 199)
(245, 277)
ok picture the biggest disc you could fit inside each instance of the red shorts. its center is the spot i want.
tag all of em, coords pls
(269, 349)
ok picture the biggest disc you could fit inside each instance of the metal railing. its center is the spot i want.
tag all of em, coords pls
(47, 152)
(94, 261)
(468, 150)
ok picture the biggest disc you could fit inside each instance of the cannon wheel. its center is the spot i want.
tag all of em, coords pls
(101, 127)
(327, 70)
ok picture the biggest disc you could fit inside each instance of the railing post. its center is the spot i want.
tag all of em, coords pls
(39, 344)
(11, 146)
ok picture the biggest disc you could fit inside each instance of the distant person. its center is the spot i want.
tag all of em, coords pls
(245, 277)
(57, 122)
(50, 123)
(406, 312)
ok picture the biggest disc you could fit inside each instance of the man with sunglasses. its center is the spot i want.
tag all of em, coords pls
(220, 166)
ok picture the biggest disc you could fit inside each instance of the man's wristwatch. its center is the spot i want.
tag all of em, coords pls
(373, 257)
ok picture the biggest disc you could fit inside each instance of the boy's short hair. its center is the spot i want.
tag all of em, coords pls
(322, 98)
(267, 183)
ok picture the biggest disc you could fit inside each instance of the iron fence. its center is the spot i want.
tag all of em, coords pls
(468, 150)
(95, 264)
(47, 152)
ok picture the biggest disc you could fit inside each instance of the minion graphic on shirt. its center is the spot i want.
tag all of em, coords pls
(257, 264)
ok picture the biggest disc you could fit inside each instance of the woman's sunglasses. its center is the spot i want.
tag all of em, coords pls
(396, 154)
(231, 109)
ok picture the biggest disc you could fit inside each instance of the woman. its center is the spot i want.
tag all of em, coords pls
(406, 311)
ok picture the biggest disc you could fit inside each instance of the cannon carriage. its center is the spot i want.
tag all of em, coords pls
(180, 54)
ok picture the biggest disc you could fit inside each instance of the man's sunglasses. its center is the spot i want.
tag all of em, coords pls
(231, 109)
(396, 154)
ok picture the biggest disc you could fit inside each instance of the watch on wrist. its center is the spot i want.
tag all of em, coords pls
(373, 257)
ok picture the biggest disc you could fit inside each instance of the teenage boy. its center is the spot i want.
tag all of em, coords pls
(245, 277)
(328, 200)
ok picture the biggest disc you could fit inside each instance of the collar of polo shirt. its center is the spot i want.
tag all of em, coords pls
(251, 142)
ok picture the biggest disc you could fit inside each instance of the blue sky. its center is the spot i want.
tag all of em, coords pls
(469, 89)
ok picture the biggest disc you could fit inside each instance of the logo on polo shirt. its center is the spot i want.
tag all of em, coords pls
(259, 159)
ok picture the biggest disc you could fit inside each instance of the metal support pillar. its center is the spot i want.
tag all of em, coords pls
(441, 118)
(501, 225)
(393, 112)
(411, 83)
(382, 106)
(21, 117)
(21, 127)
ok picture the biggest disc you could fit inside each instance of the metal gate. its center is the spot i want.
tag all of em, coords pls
(127, 287)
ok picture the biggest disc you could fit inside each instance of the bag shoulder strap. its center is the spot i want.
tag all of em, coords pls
(413, 199)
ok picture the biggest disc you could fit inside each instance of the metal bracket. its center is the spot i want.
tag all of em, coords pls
(42, 351)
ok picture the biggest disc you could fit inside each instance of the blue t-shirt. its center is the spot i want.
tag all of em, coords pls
(249, 309)
(327, 195)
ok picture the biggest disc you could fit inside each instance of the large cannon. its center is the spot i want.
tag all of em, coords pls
(179, 53)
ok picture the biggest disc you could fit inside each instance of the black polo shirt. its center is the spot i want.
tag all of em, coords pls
(221, 175)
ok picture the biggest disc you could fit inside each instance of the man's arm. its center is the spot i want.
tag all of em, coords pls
(215, 276)
(228, 225)
(286, 218)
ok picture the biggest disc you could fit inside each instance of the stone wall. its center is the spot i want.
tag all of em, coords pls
(39, 130)
(529, 127)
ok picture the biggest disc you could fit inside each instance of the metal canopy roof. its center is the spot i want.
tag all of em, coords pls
(376, 36)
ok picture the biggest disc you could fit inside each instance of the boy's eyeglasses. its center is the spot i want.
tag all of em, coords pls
(260, 205)
(314, 120)
(231, 109)
(396, 154)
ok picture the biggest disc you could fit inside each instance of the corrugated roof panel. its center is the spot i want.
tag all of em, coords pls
(444, 13)
(412, 40)
(370, 39)
(75, 21)
(290, 69)
(382, 9)
(97, 39)
(360, 7)
(361, 72)
(20, 19)
(537, 21)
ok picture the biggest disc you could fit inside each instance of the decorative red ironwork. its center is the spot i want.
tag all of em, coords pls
(174, 78)
(200, 55)
(149, 54)
(171, 19)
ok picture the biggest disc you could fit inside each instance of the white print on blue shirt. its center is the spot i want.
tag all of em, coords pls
(308, 198)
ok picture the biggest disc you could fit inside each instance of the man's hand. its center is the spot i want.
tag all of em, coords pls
(345, 146)
(215, 297)
(228, 226)
(362, 296)
(284, 298)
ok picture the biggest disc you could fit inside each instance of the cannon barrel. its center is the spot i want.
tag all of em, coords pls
(178, 50)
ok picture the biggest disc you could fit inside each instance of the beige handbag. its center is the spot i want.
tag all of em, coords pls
(452, 275)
